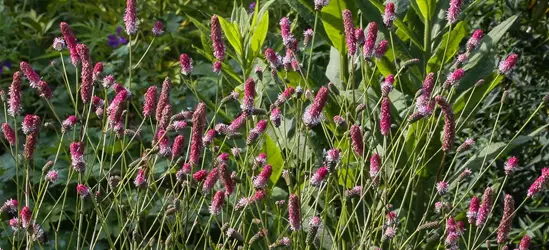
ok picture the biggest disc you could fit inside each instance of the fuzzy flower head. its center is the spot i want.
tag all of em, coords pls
(262, 179)
(466, 145)
(26, 217)
(272, 58)
(454, 78)
(52, 176)
(209, 137)
(287, 37)
(359, 36)
(77, 156)
(332, 157)
(9, 207)
(276, 117)
(319, 4)
(313, 113)
(511, 165)
(31, 124)
(453, 12)
(294, 212)
(505, 224)
(158, 28)
(199, 123)
(217, 67)
(524, 243)
(178, 144)
(357, 141)
(217, 39)
(474, 41)
(507, 65)
(473, 209)
(307, 36)
(389, 15)
(428, 84)
(186, 63)
(69, 123)
(130, 17)
(381, 48)
(58, 43)
(70, 40)
(442, 187)
(449, 124)
(150, 101)
(82, 190)
(320, 176)
(349, 28)
(210, 180)
(247, 105)
(385, 120)
(14, 102)
(540, 183)
(29, 72)
(340, 121)
(484, 208)
(217, 203)
(97, 71)
(371, 38)
(200, 175)
(9, 133)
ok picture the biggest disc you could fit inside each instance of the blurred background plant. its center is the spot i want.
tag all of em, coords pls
(29, 27)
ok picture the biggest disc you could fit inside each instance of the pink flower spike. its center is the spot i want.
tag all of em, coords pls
(130, 17)
(294, 212)
(442, 187)
(225, 176)
(262, 179)
(510, 165)
(247, 105)
(158, 28)
(14, 102)
(357, 141)
(218, 46)
(505, 224)
(385, 120)
(454, 11)
(320, 176)
(82, 190)
(319, 4)
(474, 41)
(141, 179)
(150, 101)
(375, 166)
(473, 210)
(69, 123)
(31, 75)
(276, 117)
(454, 78)
(87, 72)
(44, 89)
(313, 113)
(178, 144)
(186, 64)
(428, 84)
(30, 145)
(507, 65)
(209, 137)
(10, 207)
(71, 42)
(256, 132)
(307, 36)
(237, 123)
(77, 156)
(52, 176)
(539, 184)
(524, 243)
(284, 97)
(371, 38)
(272, 58)
(164, 97)
(484, 209)
(381, 48)
(449, 124)
(287, 37)
(200, 175)
(217, 67)
(9, 134)
(217, 203)
(359, 36)
(210, 181)
(349, 31)
(97, 71)
(26, 217)
(30, 124)
(389, 15)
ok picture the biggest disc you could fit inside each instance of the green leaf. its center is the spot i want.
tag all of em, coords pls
(260, 33)
(426, 9)
(452, 39)
(333, 71)
(332, 20)
(274, 158)
(232, 33)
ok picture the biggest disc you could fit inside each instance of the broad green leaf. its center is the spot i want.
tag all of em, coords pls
(232, 33)
(260, 33)
(333, 70)
(448, 47)
(332, 20)
(426, 9)
(274, 158)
